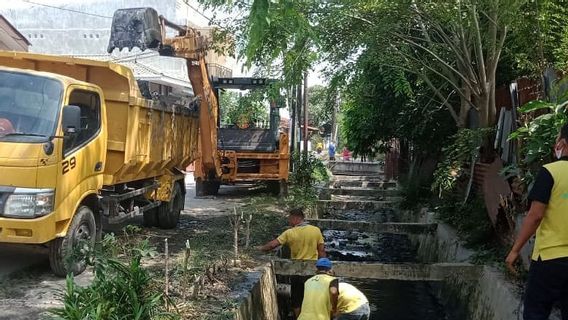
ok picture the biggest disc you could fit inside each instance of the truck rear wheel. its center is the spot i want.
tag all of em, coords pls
(69, 254)
(168, 212)
(151, 218)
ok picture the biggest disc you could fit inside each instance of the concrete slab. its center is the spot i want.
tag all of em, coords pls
(364, 184)
(380, 271)
(375, 178)
(332, 206)
(354, 168)
(363, 192)
(361, 226)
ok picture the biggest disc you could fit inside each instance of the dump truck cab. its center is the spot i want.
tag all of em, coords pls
(52, 152)
(80, 144)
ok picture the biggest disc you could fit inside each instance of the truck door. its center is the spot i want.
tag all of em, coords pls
(84, 152)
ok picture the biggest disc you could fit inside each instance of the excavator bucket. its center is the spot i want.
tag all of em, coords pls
(135, 27)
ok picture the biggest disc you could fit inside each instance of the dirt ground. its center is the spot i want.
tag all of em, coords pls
(28, 289)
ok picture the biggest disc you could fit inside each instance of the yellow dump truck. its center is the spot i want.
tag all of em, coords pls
(80, 145)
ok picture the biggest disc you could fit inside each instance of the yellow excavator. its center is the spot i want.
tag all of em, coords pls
(226, 155)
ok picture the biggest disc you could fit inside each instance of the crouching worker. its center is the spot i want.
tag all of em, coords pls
(320, 293)
(352, 303)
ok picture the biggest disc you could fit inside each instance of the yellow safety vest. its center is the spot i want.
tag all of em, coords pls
(350, 298)
(317, 301)
(552, 234)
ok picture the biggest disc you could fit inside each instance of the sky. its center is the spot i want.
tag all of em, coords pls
(199, 17)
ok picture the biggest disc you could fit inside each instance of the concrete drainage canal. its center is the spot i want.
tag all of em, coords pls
(408, 270)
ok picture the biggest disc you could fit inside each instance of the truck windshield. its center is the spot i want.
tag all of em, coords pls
(29, 107)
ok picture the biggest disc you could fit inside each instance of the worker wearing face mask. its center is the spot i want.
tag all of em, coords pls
(548, 218)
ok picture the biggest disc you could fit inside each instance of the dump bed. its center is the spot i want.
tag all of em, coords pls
(145, 137)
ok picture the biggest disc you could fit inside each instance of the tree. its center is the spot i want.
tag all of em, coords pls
(243, 110)
(320, 108)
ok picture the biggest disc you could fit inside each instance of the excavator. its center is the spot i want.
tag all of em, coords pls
(225, 156)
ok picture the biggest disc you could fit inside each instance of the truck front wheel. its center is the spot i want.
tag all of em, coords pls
(168, 212)
(69, 254)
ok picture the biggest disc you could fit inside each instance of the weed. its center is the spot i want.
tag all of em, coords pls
(119, 290)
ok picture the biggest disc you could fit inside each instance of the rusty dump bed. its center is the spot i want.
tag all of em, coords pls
(145, 137)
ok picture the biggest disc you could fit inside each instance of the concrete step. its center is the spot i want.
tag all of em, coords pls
(364, 184)
(364, 198)
(362, 226)
(363, 192)
(375, 178)
(330, 207)
(354, 168)
(381, 271)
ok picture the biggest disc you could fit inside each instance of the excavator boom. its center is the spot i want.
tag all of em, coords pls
(143, 28)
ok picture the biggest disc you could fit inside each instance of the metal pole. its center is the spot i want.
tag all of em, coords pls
(292, 99)
(299, 114)
(306, 114)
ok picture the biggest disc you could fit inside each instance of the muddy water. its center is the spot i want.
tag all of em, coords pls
(389, 300)
(358, 246)
(401, 300)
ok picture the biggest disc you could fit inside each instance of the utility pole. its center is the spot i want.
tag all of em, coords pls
(292, 104)
(299, 114)
(306, 115)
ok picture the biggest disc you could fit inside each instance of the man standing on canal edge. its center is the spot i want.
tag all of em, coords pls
(306, 243)
(321, 293)
(548, 217)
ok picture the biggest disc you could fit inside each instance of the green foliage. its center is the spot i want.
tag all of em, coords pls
(243, 110)
(464, 150)
(470, 220)
(538, 135)
(539, 37)
(319, 107)
(308, 170)
(118, 290)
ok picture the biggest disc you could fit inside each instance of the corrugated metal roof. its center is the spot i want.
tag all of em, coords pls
(140, 70)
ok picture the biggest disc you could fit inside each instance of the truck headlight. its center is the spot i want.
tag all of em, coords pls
(29, 203)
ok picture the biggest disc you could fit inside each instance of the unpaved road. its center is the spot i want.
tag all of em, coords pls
(27, 287)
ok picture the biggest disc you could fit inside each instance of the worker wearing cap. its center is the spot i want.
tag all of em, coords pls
(321, 293)
(306, 243)
(352, 303)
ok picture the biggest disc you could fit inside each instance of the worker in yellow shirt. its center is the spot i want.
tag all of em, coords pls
(320, 293)
(306, 243)
(352, 303)
(547, 218)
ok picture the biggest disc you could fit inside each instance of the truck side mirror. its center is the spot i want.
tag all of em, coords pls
(71, 119)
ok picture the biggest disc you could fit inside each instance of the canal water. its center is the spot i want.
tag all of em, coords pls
(389, 300)
(401, 300)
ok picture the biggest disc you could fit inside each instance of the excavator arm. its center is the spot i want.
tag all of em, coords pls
(144, 29)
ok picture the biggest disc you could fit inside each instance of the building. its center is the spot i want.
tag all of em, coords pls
(11, 38)
(82, 29)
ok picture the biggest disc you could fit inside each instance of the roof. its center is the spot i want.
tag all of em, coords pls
(15, 31)
(140, 70)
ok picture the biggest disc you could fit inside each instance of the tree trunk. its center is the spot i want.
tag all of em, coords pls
(465, 106)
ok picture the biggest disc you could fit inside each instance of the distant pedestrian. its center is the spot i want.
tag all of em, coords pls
(331, 151)
(352, 303)
(346, 154)
(321, 293)
(548, 275)
(306, 243)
